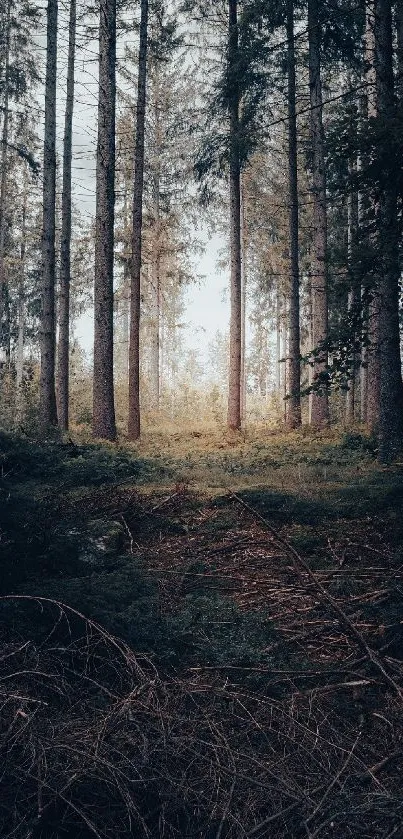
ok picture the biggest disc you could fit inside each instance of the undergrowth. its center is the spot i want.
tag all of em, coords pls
(150, 543)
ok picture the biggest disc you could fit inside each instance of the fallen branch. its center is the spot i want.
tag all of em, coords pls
(325, 596)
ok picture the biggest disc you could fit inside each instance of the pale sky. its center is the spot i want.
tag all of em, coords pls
(207, 306)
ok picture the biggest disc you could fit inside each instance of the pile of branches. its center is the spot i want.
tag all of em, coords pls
(94, 742)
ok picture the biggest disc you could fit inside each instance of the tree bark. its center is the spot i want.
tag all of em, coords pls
(399, 34)
(103, 394)
(319, 398)
(134, 425)
(19, 363)
(372, 354)
(294, 365)
(3, 182)
(155, 338)
(235, 351)
(47, 394)
(391, 388)
(65, 245)
(244, 280)
(353, 294)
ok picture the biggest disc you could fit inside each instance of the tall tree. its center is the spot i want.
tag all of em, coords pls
(353, 293)
(134, 425)
(294, 371)
(47, 394)
(234, 99)
(391, 388)
(4, 149)
(373, 358)
(319, 396)
(103, 395)
(65, 243)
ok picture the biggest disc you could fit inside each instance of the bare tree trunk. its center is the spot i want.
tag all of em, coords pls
(373, 359)
(65, 245)
(235, 350)
(391, 388)
(294, 365)
(103, 395)
(19, 364)
(363, 373)
(135, 297)
(399, 33)
(47, 394)
(155, 341)
(284, 355)
(319, 398)
(155, 349)
(244, 280)
(278, 345)
(353, 294)
(3, 183)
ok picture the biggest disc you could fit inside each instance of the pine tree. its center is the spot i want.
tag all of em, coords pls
(294, 372)
(319, 397)
(103, 392)
(65, 245)
(47, 405)
(391, 388)
(234, 98)
(134, 425)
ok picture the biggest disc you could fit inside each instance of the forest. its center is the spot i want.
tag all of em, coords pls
(201, 419)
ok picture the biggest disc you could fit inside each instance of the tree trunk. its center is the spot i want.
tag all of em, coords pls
(134, 346)
(373, 359)
(399, 33)
(155, 342)
(65, 246)
(294, 366)
(47, 394)
(278, 345)
(284, 355)
(353, 294)
(19, 363)
(3, 183)
(244, 280)
(319, 397)
(235, 351)
(103, 395)
(361, 202)
(391, 388)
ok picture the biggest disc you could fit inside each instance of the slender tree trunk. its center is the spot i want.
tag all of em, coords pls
(353, 294)
(47, 394)
(4, 157)
(284, 355)
(103, 395)
(244, 280)
(235, 352)
(125, 320)
(65, 245)
(19, 363)
(361, 202)
(373, 358)
(155, 348)
(294, 366)
(278, 345)
(155, 359)
(135, 297)
(319, 398)
(399, 33)
(391, 388)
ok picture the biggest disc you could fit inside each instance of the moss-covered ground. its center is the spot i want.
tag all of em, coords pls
(263, 565)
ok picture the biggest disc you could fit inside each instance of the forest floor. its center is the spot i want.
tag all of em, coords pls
(258, 579)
